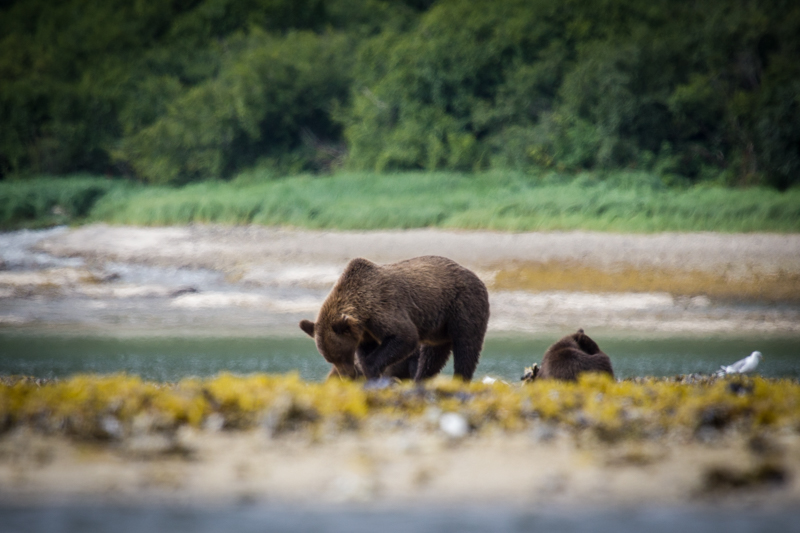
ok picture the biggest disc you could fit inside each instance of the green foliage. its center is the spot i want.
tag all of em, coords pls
(270, 92)
(189, 90)
(45, 201)
(64, 67)
(704, 90)
(94, 86)
(626, 202)
(504, 201)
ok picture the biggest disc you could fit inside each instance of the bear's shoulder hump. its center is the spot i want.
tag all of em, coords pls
(358, 266)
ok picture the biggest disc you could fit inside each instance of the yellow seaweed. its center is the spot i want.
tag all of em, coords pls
(100, 406)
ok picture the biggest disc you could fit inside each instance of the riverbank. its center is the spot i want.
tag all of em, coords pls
(258, 279)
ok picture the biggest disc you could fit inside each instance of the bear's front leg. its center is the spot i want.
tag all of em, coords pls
(392, 350)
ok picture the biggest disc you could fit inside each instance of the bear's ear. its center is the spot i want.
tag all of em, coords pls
(344, 325)
(586, 343)
(308, 327)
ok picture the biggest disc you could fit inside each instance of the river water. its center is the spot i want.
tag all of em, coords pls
(165, 358)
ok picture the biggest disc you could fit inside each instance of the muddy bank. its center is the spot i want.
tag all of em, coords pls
(233, 249)
(266, 279)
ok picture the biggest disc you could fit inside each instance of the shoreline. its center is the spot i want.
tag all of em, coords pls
(199, 278)
(228, 248)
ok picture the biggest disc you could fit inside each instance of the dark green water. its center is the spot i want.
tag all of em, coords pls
(169, 359)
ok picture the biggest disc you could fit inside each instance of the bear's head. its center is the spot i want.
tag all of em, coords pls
(337, 341)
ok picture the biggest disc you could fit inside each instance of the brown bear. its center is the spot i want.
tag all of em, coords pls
(572, 355)
(402, 319)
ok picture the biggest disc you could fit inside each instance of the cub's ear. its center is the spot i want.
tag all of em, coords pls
(308, 327)
(344, 325)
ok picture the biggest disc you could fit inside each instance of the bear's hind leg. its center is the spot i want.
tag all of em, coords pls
(467, 346)
(465, 360)
(467, 329)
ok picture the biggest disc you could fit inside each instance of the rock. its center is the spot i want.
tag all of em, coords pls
(454, 425)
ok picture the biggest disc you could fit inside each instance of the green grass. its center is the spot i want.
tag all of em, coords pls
(49, 201)
(624, 202)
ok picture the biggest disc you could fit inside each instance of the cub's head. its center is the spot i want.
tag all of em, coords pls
(337, 341)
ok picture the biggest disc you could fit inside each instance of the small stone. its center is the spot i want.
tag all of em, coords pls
(111, 427)
(379, 384)
(149, 446)
(183, 290)
(454, 425)
(543, 433)
(432, 414)
(214, 422)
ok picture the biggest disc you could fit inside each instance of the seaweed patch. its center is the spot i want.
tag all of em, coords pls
(113, 407)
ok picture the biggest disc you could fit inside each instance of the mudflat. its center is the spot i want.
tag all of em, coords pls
(238, 248)
(670, 282)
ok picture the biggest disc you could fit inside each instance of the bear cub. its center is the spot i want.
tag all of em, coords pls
(402, 319)
(570, 356)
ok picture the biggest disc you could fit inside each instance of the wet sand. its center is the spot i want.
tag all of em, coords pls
(269, 278)
(239, 248)
(542, 469)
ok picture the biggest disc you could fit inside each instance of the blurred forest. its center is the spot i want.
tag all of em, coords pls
(173, 91)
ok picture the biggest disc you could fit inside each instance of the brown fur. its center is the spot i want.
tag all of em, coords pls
(570, 356)
(402, 319)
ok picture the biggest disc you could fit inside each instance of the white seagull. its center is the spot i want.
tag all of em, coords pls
(748, 364)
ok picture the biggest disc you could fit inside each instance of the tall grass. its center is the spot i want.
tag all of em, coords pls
(625, 202)
(48, 201)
